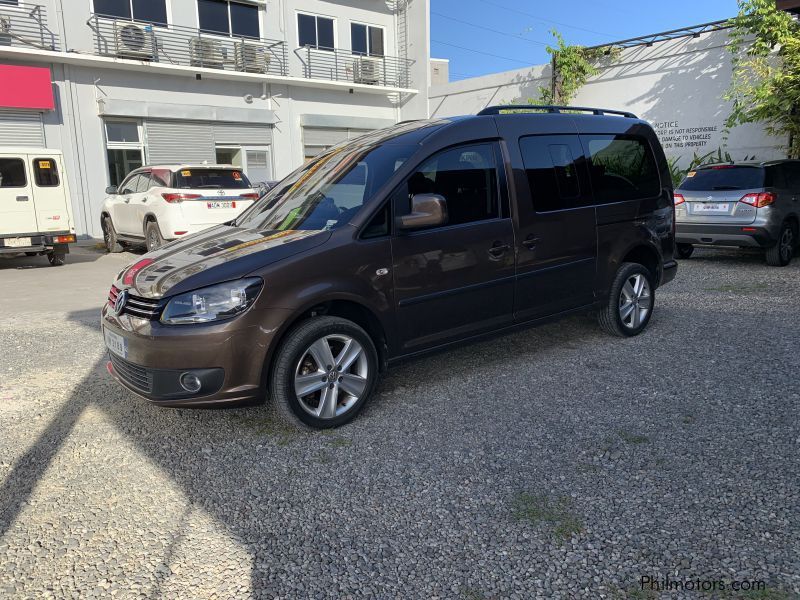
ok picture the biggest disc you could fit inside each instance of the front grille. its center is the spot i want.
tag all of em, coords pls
(144, 308)
(135, 376)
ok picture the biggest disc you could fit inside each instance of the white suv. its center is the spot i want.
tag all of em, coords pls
(166, 202)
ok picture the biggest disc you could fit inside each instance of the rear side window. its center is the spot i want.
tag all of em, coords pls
(554, 171)
(12, 173)
(621, 167)
(724, 177)
(143, 183)
(45, 172)
(792, 171)
(211, 179)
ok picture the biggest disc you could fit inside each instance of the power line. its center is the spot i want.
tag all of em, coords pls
(538, 18)
(524, 62)
(503, 33)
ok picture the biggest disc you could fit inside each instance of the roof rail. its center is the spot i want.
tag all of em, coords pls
(496, 110)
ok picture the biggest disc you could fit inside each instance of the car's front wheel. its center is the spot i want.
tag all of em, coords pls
(781, 253)
(323, 373)
(630, 301)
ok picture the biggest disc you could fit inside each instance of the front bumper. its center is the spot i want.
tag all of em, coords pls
(703, 234)
(228, 357)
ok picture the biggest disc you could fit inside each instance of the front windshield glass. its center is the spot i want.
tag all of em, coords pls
(329, 191)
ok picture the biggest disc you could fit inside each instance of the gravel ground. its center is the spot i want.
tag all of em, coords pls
(555, 462)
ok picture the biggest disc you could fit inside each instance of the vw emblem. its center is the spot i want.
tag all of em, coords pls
(120, 302)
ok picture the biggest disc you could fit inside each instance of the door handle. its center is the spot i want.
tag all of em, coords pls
(498, 249)
(22, 198)
(530, 242)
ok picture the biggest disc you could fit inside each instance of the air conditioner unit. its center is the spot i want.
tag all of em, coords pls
(251, 58)
(207, 53)
(133, 40)
(367, 70)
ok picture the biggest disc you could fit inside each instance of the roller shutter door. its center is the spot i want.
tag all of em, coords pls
(318, 139)
(242, 134)
(170, 142)
(21, 128)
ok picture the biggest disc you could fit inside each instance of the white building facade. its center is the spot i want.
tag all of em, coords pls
(262, 84)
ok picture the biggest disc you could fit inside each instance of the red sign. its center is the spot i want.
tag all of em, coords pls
(26, 87)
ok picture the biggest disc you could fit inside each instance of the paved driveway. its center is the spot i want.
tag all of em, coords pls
(556, 462)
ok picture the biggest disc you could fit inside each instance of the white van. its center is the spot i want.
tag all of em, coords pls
(35, 208)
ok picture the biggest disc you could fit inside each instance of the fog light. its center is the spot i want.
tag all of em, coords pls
(191, 383)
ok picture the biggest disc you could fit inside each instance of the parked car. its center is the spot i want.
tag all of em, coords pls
(400, 242)
(35, 207)
(747, 205)
(159, 203)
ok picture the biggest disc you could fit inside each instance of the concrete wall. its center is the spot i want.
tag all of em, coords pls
(677, 86)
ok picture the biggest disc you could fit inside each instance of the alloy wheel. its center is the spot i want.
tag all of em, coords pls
(635, 301)
(787, 244)
(331, 376)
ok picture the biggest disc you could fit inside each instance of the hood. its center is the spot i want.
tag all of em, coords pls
(222, 253)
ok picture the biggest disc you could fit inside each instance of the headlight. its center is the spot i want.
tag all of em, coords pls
(215, 303)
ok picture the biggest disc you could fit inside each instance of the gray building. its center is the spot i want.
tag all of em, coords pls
(263, 84)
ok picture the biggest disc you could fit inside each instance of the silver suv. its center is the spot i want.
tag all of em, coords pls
(746, 205)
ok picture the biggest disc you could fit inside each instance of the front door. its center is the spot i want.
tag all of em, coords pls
(556, 231)
(52, 211)
(17, 209)
(455, 280)
(124, 213)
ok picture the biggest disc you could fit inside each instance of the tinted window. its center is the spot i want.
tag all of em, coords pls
(307, 30)
(358, 35)
(129, 186)
(724, 178)
(150, 11)
(366, 39)
(774, 176)
(213, 16)
(143, 183)
(113, 8)
(553, 171)
(12, 173)
(792, 172)
(325, 32)
(379, 225)
(244, 20)
(45, 172)
(211, 179)
(376, 41)
(161, 177)
(621, 167)
(467, 179)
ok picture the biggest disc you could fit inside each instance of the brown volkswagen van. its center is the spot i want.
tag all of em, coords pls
(398, 243)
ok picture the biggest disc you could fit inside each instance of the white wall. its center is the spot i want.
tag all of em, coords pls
(677, 86)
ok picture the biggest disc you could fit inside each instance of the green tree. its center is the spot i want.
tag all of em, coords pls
(572, 67)
(765, 87)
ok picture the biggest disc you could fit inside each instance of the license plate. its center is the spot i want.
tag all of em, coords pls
(221, 204)
(709, 207)
(116, 343)
(17, 242)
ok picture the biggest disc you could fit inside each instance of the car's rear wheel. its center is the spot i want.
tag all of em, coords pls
(153, 237)
(630, 301)
(110, 236)
(781, 253)
(56, 259)
(684, 251)
(323, 373)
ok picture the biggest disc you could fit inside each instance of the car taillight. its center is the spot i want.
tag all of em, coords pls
(179, 197)
(249, 196)
(134, 269)
(64, 239)
(758, 200)
(679, 199)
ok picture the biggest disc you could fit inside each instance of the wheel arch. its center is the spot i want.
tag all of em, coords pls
(647, 256)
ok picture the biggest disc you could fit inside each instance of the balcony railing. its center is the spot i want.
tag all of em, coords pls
(25, 25)
(344, 65)
(188, 47)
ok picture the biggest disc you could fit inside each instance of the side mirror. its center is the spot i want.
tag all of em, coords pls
(111, 190)
(427, 210)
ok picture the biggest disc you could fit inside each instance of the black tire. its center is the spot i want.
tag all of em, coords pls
(684, 251)
(56, 260)
(110, 236)
(781, 253)
(610, 317)
(294, 349)
(152, 235)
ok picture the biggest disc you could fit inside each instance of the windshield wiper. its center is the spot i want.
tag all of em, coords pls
(720, 188)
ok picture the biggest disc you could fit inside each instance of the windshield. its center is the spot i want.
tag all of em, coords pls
(724, 178)
(329, 191)
(211, 179)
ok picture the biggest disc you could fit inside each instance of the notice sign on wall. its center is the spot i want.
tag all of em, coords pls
(673, 135)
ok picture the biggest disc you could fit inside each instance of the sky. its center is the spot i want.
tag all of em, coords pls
(489, 36)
